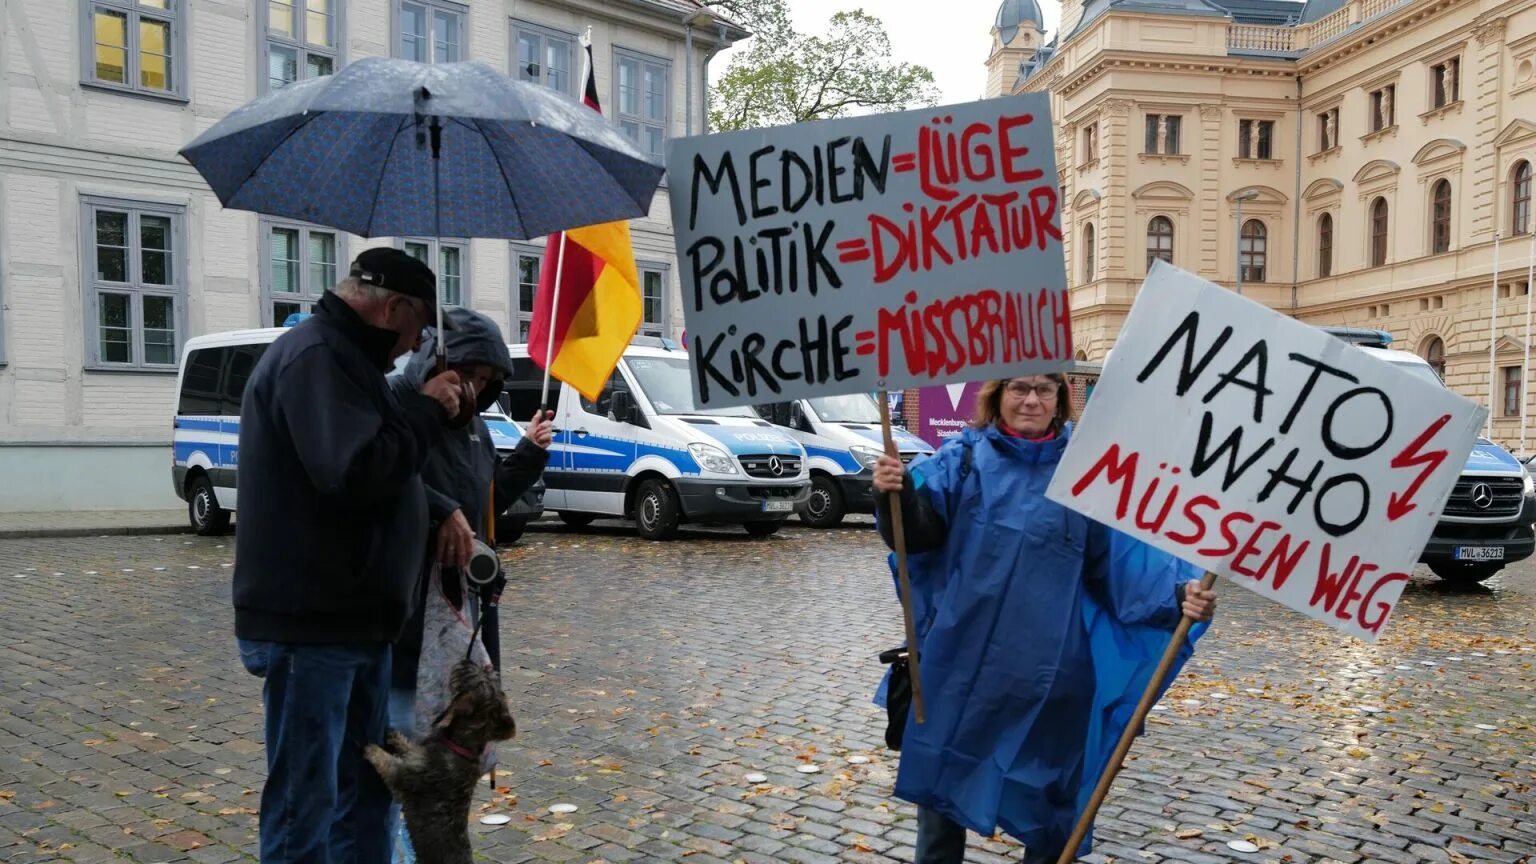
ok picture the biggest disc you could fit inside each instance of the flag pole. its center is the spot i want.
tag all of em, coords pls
(1132, 729)
(1525, 371)
(554, 301)
(899, 535)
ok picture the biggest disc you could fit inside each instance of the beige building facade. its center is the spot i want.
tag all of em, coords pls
(1365, 163)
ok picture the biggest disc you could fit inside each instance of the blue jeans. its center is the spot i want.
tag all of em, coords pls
(322, 802)
(402, 716)
(940, 840)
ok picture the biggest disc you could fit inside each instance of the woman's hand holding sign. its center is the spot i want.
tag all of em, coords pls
(890, 475)
(1199, 603)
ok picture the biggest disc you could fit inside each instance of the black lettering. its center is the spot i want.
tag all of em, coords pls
(779, 369)
(813, 352)
(816, 258)
(773, 279)
(1344, 451)
(1303, 485)
(1189, 371)
(1318, 368)
(1339, 529)
(808, 177)
(726, 171)
(751, 347)
(759, 182)
(1204, 458)
(705, 359)
(866, 168)
(1258, 354)
(835, 171)
(841, 372)
(702, 269)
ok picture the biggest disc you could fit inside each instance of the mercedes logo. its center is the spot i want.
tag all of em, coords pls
(1482, 496)
(776, 468)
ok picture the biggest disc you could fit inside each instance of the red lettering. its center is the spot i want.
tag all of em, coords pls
(1155, 525)
(1384, 609)
(1350, 594)
(1013, 340)
(1061, 315)
(982, 231)
(888, 265)
(1228, 536)
(1118, 470)
(1399, 506)
(1042, 201)
(1283, 561)
(1251, 548)
(1012, 152)
(1329, 584)
(1198, 534)
(931, 173)
(988, 167)
(931, 221)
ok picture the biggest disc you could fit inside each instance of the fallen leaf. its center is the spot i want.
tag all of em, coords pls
(1188, 833)
(238, 811)
(554, 832)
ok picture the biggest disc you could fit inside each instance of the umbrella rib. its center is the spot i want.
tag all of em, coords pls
(504, 178)
(373, 208)
(309, 117)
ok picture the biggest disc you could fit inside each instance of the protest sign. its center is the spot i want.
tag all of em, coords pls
(1267, 451)
(871, 253)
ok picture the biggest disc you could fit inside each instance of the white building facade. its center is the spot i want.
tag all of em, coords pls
(113, 252)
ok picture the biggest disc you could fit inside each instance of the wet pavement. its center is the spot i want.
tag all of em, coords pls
(650, 680)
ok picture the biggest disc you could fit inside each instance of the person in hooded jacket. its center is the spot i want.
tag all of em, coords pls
(1038, 629)
(459, 475)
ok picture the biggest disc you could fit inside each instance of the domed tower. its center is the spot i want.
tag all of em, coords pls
(1017, 35)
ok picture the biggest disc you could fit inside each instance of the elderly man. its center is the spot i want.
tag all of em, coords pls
(331, 536)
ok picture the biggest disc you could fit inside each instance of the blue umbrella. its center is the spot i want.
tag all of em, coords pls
(397, 148)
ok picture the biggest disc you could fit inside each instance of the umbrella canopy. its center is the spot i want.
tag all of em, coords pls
(353, 151)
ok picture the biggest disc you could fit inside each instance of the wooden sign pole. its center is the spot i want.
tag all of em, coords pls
(1171, 654)
(899, 534)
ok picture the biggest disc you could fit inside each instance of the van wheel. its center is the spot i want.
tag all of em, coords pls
(761, 530)
(203, 511)
(825, 508)
(656, 511)
(1465, 574)
(576, 520)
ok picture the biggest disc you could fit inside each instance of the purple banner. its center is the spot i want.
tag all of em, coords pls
(944, 411)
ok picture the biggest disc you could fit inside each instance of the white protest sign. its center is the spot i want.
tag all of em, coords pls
(871, 253)
(1267, 451)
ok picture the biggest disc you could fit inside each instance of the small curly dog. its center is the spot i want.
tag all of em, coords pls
(434, 779)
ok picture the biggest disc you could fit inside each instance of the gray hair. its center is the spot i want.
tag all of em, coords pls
(353, 288)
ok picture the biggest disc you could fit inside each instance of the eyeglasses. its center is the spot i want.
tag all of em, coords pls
(1044, 390)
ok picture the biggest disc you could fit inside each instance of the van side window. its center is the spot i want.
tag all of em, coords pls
(200, 383)
(524, 387)
(776, 413)
(604, 402)
(242, 362)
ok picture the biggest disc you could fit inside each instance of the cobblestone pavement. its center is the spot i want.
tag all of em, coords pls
(651, 679)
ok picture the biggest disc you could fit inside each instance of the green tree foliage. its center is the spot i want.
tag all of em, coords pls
(784, 76)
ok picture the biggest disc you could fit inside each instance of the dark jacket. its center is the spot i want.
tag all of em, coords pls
(333, 514)
(460, 470)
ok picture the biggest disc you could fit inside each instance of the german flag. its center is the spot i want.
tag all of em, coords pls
(599, 309)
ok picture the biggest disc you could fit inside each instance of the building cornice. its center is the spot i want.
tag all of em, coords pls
(1106, 62)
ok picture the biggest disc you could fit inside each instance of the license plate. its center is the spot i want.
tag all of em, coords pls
(778, 506)
(1480, 553)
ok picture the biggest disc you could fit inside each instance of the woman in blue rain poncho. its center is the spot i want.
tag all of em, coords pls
(1038, 628)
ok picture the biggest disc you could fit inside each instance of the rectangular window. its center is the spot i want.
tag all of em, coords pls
(431, 31)
(135, 283)
(1446, 81)
(1163, 134)
(641, 87)
(653, 296)
(1383, 109)
(133, 45)
(300, 265)
(1090, 142)
(301, 42)
(449, 260)
(1256, 139)
(543, 56)
(526, 262)
(1512, 388)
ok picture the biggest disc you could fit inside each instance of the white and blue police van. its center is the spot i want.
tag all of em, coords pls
(645, 451)
(205, 433)
(842, 439)
(1487, 523)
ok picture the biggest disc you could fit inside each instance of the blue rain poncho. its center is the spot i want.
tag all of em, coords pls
(1038, 632)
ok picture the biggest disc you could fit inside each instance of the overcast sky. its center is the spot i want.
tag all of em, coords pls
(950, 37)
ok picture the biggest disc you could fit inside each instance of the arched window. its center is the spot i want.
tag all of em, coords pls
(1159, 240)
(1089, 253)
(1434, 354)
(1378, 232)
(1440, 218)
(1520, 199)
(1325, 246)
(1252, 250)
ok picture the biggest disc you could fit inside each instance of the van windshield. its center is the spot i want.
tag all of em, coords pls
(668, 384)
(1427, 373)
(852, 408)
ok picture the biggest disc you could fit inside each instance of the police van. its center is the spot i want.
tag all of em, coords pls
(842, 439)
(1487, 521)
(644, 451)
(205, 433)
